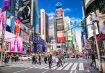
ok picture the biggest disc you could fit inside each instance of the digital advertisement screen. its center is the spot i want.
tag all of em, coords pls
(17, 25)
(60, 27)
(60, 36)
(6, 5)
(8, 24)
(14, 43)
(60, 33)
(26, 11)
(59, 21)
(2, 20)
(59, 12)
(60, 39)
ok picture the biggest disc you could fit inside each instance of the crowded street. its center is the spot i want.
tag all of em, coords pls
(52, 36)
(71, 65)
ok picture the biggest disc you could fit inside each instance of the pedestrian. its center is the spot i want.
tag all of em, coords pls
(57, 61)
(60, 62)
(77, 56)
(63, 58)
(39, 59)
(45, 59)
(33, 60)
(93, 60)
(50, 60)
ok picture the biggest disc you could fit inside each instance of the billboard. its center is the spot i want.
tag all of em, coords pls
(14, 43)
(25, 36)
(59, 12)
(8, 24)
(2, 20)
(6, 5)
(17, 25)
(59, 21)
(60, 36)
(26, 11)
(60, 27)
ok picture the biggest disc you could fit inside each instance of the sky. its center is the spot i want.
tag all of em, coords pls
(72, 8)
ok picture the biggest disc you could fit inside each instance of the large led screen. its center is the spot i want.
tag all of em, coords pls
(14, 43)
(2, 20)
(6, 5)
(60, 39)
(60, 27)
(60, 36)
(17, 25)
(26, 11)
(59, 21)
(59, 12)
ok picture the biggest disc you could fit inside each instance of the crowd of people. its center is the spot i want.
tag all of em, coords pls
(8, 59)
(59, 59)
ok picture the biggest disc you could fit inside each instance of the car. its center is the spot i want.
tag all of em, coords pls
(25, 58)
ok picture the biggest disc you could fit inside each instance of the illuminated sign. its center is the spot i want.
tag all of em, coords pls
(60, 27)
(59, 12)
(2, 20)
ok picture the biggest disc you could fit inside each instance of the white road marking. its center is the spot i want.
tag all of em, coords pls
(54, 67)
(21, 70)
(51, 66)
(45, 71)
(68, 66)
(71, 71)
(74, 66)
(81, 67)
(62, 67)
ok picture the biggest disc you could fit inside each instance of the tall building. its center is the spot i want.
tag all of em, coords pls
(43, 25)
(68, 33)
(52, 38)
(60, 39)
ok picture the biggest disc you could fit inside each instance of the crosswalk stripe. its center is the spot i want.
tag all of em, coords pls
(62, 67)
(74, 66)
(51, 66)
(68, 66)
(44, 66)
(81, 67)
(71, 71)
(54, 67)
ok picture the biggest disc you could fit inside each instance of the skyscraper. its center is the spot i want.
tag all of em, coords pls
(43, 24)
(60, 27)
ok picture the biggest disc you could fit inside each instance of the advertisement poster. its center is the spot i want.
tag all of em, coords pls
(17, 25)
(16, 45)
(2, 20)
(8, 24)
(6, 5)
(26, 11)
(60, 36)
(59, 12)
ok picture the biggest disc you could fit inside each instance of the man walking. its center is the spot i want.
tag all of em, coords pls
(93, 59)
(50, 60)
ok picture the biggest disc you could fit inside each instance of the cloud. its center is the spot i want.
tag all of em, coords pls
(51, 14)
(75, 21)
(67, 9)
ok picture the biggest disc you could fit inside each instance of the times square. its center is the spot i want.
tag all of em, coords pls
(52, 36)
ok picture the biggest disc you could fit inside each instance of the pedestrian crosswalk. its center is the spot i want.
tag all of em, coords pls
(66, 66)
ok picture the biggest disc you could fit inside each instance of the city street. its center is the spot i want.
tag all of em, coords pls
(70, 66)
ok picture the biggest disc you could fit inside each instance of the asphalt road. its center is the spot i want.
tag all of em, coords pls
(70, 66)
